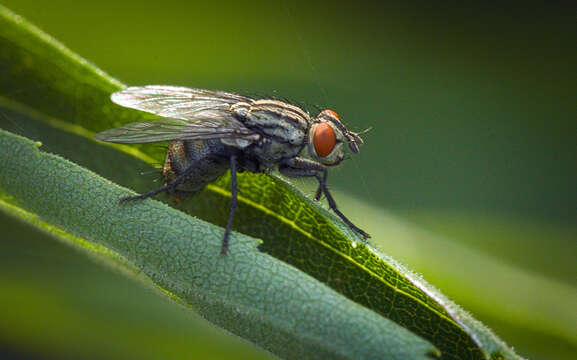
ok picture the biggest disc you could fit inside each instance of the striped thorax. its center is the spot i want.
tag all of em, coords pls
(283, 128)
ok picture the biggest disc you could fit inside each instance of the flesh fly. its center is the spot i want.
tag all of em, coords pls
(213, 131)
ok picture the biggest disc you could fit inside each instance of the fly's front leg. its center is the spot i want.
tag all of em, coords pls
(233, 203)
(313, 166)
(297, 167)
(319, 192)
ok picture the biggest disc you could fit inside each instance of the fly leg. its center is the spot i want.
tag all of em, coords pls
(233, 201)
(168, 187)
(297, 167)
(319, 192)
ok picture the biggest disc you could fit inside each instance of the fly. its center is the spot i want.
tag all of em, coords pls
(213, 131)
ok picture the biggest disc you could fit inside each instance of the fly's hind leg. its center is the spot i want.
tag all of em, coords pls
(168, 187)
(297, 167)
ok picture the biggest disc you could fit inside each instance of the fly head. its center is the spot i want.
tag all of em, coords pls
(327, 136)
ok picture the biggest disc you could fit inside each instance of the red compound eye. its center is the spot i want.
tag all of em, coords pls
(332, 114)
(324, 139)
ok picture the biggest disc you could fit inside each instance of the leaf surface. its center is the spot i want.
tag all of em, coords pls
(61, 96)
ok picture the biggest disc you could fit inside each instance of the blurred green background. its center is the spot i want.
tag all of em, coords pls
(473, 115)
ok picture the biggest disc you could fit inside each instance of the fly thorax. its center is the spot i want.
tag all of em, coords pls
(240, 110)
(280, 121)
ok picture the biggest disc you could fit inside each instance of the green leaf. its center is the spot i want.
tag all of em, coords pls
(248, 292)
(56, 304)
(258, 294)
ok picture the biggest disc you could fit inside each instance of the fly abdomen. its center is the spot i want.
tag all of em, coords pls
(206, 159)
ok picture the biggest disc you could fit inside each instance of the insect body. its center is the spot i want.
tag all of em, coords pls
(212, 131)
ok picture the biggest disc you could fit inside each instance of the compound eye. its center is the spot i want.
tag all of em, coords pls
(331, 113)
(324, 139)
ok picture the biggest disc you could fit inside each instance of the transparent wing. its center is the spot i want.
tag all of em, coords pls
(167, 129)
(176, 102)
(188, 114)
